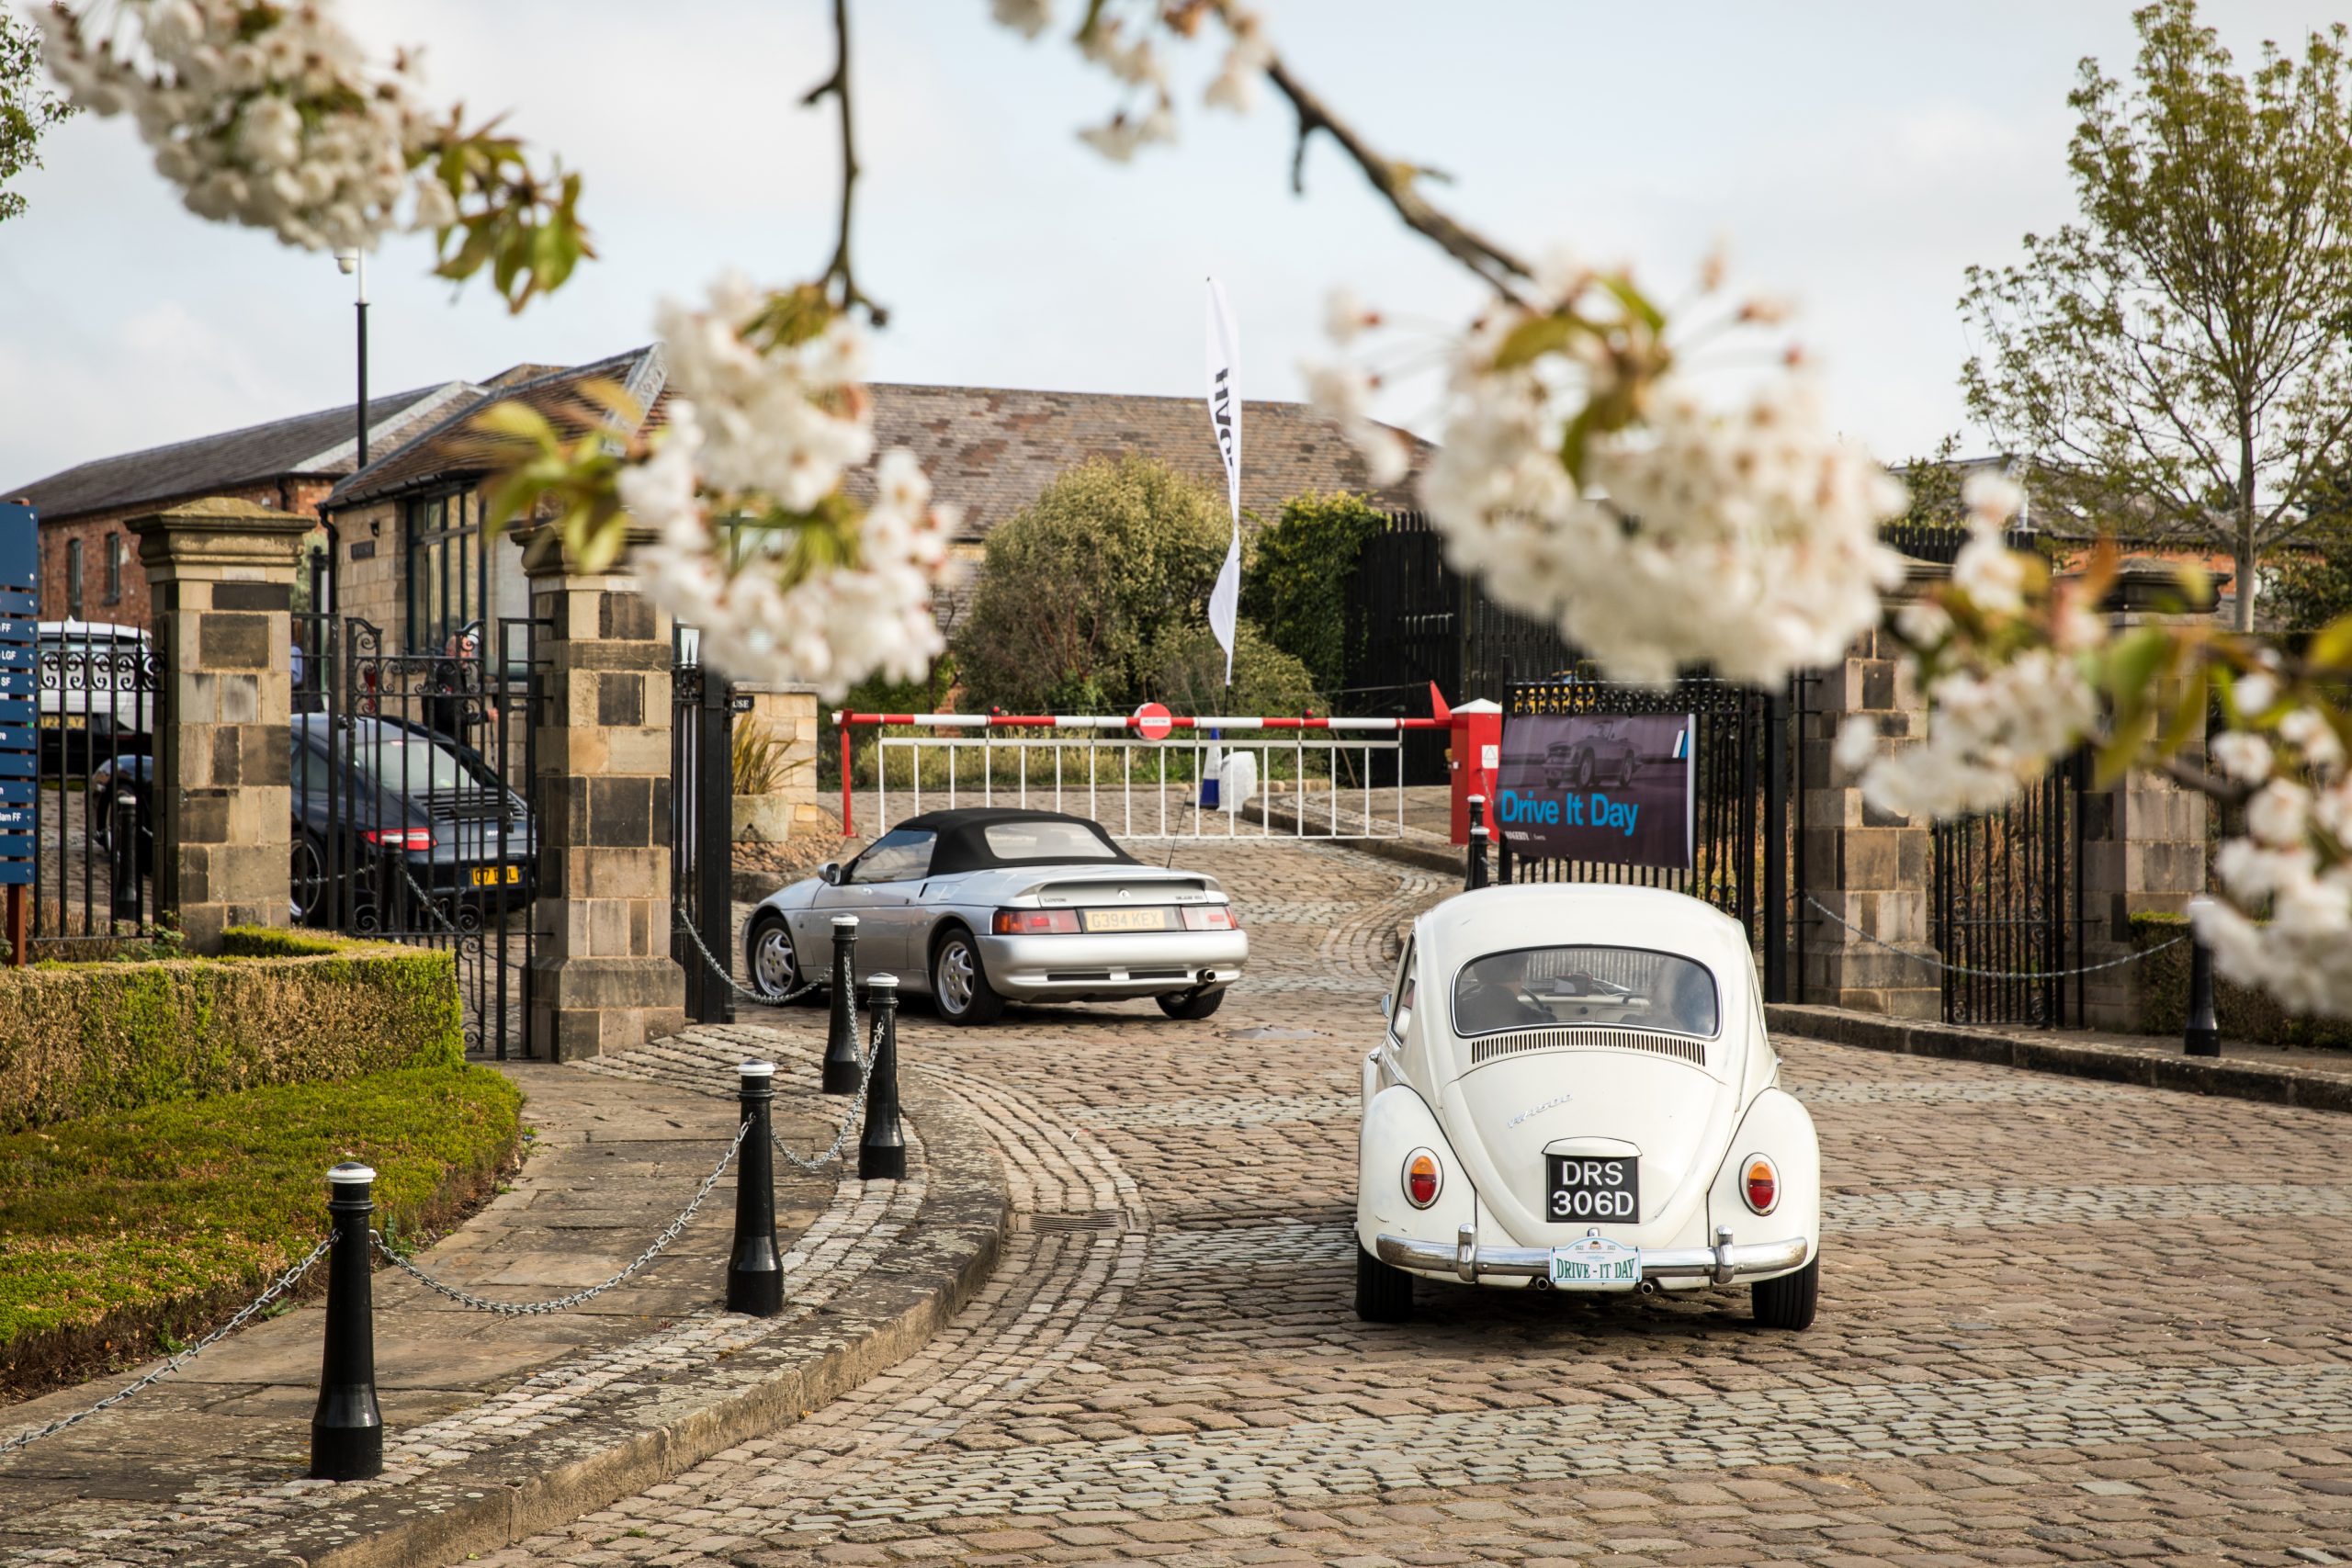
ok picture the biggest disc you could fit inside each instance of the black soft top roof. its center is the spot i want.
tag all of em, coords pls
(963, 844)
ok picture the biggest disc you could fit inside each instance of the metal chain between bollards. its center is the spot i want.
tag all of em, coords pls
(277, 1288)
(1993, 974)
(849, 1117)
(749, 992)
(564, 1304)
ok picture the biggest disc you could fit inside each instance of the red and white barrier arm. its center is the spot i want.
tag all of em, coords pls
(1117, 721)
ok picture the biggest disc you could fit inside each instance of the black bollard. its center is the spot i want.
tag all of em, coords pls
(2203, 1035)
(881, 1148)
(125, 830)
(755, 1269)
(1474, 873)
(346, 1429)
(844, 1060)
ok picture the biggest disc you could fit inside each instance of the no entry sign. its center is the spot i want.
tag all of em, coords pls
(1154, 722)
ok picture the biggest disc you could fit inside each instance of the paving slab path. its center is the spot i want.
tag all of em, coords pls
(2062, 1321)
(209, 1456)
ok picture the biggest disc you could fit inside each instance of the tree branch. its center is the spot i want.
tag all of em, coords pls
(839, 270)
(1395, 182)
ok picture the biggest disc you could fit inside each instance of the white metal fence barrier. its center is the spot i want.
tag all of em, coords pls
(1147, 776)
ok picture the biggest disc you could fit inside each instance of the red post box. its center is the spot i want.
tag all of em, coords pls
(1474, 760)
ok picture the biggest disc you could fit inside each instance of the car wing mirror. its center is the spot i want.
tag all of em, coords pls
(1387, 1007)
(829, 873)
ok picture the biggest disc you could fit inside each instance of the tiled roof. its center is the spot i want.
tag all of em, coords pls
(452, 449)
(312, 443)
(992, 450)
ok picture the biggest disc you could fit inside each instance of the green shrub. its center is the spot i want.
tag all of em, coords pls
(2250, 1016)
(289, 1007)
(1080, 585)
(1297, 585)
(117, 1228)
(1187, 673)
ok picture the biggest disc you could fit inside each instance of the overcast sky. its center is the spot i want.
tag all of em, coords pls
(1857, 156)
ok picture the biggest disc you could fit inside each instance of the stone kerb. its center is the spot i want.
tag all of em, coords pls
(603, 978)
(1870, 867)
(222, 576)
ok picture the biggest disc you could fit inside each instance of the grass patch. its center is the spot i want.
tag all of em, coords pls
(122, 1233)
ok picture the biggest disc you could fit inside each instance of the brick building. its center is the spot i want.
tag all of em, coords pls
(89, 568)
(414, 563)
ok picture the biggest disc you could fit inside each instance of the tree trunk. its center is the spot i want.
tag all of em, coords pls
(2246, 555)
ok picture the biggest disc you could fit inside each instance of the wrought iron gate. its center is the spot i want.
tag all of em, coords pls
(2007, 905)
(413, 817)
(1413, 620)
(93, 843)
(702, 827)
(1743, 764)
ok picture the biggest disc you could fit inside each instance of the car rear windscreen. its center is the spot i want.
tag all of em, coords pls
(1047, 841)
(1546, 988)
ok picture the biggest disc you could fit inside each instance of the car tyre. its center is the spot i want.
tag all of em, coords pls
(1791, 1301)
(959, 982)
(1585, 771)
(1625, 772)
(1384, 1293)
(770, 960)
(1192, 1004)
(306, 882)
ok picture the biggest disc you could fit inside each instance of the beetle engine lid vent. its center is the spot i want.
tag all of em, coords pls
(1497, 1045)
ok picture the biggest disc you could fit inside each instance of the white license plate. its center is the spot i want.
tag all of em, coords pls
(1596, 1263)
(1126, 920)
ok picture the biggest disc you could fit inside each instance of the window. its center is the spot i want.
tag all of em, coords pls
(114, 568)
(73, 579)
(1542, 987)
(899, 856)
(1400, 1004)
(1047, 841)
(445, 570)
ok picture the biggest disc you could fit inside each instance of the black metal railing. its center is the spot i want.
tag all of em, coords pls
(97, 716)
(2007, 903)
(701, 826)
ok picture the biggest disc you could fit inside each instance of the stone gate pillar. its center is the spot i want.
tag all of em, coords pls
(602, 975)
(1870, 867)
(2144, 836)
(221, 575)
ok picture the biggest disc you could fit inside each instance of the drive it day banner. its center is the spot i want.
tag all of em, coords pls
(1611, 788)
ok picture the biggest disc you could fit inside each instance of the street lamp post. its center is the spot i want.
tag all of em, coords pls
(354, 264)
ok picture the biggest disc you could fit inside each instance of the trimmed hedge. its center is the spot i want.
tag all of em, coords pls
(2246, 1015)
(278, 1008)
(123, 1232)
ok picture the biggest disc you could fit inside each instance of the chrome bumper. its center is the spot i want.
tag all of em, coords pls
(1722, 1263)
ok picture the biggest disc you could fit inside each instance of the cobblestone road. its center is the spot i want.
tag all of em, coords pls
(2061, 1322)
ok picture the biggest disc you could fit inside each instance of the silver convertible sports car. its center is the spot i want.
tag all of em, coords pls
(980, 906)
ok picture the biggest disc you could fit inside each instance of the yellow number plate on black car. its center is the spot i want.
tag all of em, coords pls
(1129, 919)
(487, 875)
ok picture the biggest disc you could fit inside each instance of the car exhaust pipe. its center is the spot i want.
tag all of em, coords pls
(1647, 1287)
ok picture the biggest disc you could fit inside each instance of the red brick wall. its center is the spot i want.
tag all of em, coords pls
(131, 609)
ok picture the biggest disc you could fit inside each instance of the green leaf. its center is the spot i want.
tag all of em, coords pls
(2331, 645)
(1534, 338)
(1637, 304)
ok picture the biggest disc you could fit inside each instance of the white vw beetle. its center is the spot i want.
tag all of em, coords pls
(1576, 1092)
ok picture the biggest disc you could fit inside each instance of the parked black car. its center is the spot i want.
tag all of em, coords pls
(409, 816)
(414, 821)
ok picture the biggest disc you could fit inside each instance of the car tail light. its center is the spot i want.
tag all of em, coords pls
(1423, 1179)
(400, 838)
(1036, 923)
(1759, 1183)
(1210, 918)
